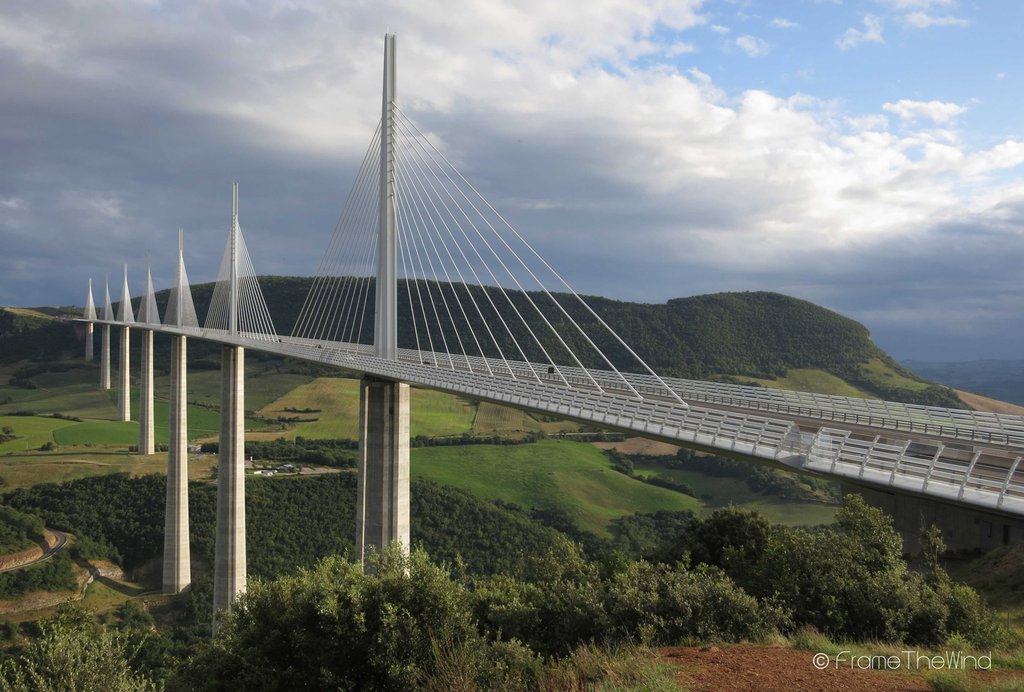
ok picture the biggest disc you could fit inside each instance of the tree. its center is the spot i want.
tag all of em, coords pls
(71, 654)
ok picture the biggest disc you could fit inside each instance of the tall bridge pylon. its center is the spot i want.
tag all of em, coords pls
(382, 500)
(125, 316)
(181, 312)
(236, 279)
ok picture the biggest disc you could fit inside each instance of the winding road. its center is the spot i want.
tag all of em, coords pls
(60, 544)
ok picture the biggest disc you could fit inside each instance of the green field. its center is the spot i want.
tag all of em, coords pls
(810, 380)
(337, 400)
(877, 372)
(261, 386)
(492, 419)
(574, 476)
(31, 432)
(80, 400)
(202, 423)
(28, 469)
(717, 491)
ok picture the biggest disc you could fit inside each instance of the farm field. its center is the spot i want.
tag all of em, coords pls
(573, 476)
(717, 491)
(809, 380)
(336, 401)
(27, 469)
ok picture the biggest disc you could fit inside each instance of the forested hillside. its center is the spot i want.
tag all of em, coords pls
(744, 336)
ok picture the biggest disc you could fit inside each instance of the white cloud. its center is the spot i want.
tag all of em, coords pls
(907, 5)
(922, 20)
(681, 49)
(719, 29)
(871, 33)
(937, 111)
(782, 23)
(753, 46)
(871, 122)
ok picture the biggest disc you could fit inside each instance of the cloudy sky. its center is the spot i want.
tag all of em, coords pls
(867, 155)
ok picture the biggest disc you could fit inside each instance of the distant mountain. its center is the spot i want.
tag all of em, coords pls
(756, 337)
(999, 379)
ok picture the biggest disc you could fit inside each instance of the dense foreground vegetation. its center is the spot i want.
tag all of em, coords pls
(491, 597)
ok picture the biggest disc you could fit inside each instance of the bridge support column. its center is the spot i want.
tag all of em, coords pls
(177, 557)
(965, 529)
(124, 405)
(147, 443)
(105, 357)
(382, 500)
(229, 554)
(89, 337)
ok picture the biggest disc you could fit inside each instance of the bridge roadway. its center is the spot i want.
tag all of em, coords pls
(963, 457)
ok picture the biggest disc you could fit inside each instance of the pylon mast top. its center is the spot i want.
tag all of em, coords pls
(386, 314)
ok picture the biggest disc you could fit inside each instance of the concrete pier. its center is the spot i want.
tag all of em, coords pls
(124, 405)
(147, 441)
(382, 500)
(965, 530)
(89, 338)
(105, 357)
(229, 554)
(177, 556)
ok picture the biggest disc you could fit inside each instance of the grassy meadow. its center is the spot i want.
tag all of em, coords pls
(573, 476)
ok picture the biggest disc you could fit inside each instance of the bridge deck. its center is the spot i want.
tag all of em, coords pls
(957, 456)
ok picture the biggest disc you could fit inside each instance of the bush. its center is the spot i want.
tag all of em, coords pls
(335, 628)
(661, 605)
(71, 654)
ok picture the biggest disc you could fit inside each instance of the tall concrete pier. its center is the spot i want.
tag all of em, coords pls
(108, 314)
(90, 337)
(229, 553)
(147, 441)
(124, 405)
(177, 557)
(105, 357)
(126, 316)
(382, 499)
(382, 502)
(149, 315)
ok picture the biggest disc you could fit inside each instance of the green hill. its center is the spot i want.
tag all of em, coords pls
(760, 338)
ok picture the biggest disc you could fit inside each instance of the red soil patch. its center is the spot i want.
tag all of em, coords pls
(735, 668)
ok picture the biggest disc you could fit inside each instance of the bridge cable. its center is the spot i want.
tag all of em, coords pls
(487, 294)
(422, 230)
(523, 291)
(421, 190)
(504, 221)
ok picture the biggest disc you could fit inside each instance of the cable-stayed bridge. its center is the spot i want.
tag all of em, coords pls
(425, 283)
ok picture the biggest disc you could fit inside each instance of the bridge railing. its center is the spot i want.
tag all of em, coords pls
(951, 472)
(969, 426)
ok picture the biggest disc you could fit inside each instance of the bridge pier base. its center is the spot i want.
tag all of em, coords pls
(229, 554)
(147, 442)
(965, 530)
(105, 357)
(382, 500)
(89, 336)
(177, 557)
(124, 406)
